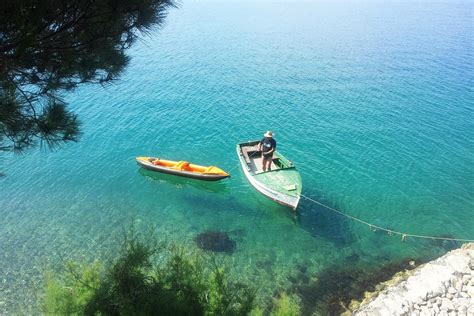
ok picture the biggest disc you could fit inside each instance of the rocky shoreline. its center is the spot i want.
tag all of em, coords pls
(444, 286)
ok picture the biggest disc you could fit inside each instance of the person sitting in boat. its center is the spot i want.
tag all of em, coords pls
(267, 146)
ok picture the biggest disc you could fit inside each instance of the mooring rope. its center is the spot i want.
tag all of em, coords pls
(373, 227)
(390, 232)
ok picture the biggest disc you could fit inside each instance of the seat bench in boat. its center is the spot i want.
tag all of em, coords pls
(282, 183)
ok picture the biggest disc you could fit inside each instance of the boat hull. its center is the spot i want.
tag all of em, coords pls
(279, 197)
(181, 173)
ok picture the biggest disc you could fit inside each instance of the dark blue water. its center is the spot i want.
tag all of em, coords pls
(373, 102)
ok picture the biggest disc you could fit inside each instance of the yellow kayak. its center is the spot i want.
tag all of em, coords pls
(182, 168)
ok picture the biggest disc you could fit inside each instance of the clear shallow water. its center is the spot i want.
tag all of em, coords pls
(373, 103)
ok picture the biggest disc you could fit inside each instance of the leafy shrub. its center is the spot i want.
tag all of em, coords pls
(134, 284)
(287, 305)
(70, 295)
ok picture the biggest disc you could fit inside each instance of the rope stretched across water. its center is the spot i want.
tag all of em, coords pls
(373, 227)
(389, 231)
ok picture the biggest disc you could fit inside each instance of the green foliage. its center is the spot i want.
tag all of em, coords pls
(257, 311)
(51, 46)
(135, 284)
(287, 305)
(69, 297)
(228, 298)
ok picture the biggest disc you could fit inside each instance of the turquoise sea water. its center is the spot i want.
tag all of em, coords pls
(373, 103)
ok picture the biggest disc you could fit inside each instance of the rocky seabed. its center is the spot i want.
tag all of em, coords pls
(444, 286)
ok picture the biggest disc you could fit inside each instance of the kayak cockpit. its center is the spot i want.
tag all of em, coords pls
(185, 166)
(182, 168)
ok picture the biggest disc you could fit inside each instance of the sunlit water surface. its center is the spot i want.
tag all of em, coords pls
(373, 103)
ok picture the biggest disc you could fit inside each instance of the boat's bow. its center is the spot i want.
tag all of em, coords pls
(283, 186)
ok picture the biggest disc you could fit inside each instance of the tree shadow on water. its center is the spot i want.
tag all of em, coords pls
(321, 222)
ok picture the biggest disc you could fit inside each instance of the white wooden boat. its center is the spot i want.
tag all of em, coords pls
(282, 183)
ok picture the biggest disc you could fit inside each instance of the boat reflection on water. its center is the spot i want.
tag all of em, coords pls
(180, 182)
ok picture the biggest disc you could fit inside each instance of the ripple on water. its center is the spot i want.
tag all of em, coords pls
(381, 129)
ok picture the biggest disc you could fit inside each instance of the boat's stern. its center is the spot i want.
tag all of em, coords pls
(143, 160)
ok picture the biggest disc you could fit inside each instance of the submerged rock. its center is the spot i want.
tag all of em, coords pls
(333, 290)
(446, 245)
(215, 241)
(264, 264)
(302, 268)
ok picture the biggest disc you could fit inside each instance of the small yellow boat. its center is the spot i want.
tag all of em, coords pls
(182, 169)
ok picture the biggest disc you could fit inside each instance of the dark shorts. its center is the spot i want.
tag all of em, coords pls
(268, 156)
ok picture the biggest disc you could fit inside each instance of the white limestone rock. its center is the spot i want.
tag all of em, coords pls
(452, 290)
(442, 287)
(443, 313)
(470, 290)
(447, 304)
(458, 285)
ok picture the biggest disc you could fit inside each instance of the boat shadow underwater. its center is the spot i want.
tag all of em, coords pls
(180, 182)
(323, 223)
(313, 218)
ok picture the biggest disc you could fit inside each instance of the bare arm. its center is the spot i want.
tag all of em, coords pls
(273, 149)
